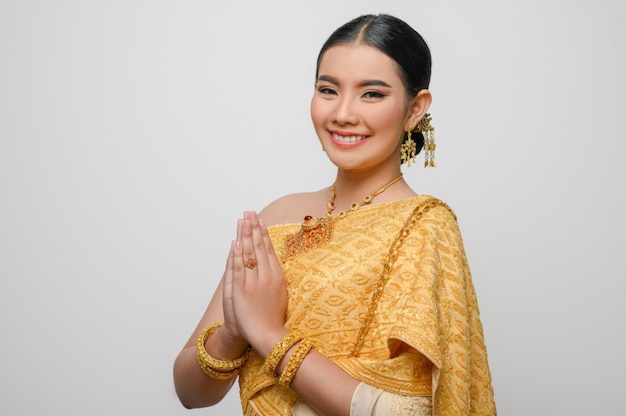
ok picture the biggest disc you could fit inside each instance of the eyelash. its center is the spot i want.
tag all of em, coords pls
(326, 91)
(366, 95)
(373, 94)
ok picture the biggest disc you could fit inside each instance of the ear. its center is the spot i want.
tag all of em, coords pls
(418, 106)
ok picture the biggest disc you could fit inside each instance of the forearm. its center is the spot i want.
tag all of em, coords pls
(195, 388)
(324, 385)
(320, 382)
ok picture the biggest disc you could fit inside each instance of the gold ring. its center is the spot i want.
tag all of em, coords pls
(250, 263)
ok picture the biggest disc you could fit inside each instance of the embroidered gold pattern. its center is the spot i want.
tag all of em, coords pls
(425, 324)
(417, 213)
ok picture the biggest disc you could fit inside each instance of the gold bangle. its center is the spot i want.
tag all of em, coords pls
(279, 351)
(214, 368)
(294, 362)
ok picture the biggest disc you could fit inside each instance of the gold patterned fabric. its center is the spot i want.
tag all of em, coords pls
(425, 337)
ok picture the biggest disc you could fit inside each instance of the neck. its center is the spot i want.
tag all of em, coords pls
(351, 188)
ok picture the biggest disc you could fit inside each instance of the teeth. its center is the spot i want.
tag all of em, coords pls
(348, 139)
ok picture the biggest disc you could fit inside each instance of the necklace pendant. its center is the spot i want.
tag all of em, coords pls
(314, 232)
(310, 223)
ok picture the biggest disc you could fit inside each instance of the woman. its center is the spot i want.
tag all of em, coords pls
(356, 299)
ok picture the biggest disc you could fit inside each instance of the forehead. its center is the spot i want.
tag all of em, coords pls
(359, 61)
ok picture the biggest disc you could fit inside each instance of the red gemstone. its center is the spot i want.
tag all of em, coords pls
(308, 218)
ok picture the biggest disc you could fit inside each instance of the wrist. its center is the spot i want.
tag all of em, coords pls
(268, 340)
(217, 368)
(223, 346)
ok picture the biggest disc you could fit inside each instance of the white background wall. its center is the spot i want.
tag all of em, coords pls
(134, 133)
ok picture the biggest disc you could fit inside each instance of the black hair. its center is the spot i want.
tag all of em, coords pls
(396, 39)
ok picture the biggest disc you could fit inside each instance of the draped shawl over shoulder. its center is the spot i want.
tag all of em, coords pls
(423, 334)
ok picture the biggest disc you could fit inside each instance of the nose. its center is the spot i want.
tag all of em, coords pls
(345, 112)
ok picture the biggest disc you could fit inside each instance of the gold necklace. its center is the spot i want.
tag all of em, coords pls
(315, 231)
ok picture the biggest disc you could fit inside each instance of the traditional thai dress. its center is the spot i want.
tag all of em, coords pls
(389, 298)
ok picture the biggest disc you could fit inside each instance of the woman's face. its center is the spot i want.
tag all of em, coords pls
(359, 108)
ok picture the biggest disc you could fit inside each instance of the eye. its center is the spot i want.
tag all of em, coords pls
(373, 95)
(326, 90)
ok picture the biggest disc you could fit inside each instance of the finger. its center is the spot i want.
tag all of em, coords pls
(260, 250)
(227, 290)
(248, 256)
(273, 261)
(228, 274)
(239, 221)
(239, 275)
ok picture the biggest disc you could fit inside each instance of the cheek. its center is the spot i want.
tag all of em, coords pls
(393, 116)
(384, 118)
(318, 114)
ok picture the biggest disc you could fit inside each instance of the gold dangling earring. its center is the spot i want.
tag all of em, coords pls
(428, 131)
(408, 148)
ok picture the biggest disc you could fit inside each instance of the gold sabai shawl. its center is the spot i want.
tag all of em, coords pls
(390, 300)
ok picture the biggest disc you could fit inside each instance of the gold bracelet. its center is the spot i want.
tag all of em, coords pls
(294, 362)
(214, 368)
(279, 351)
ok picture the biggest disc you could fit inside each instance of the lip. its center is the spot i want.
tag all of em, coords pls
(346, 145)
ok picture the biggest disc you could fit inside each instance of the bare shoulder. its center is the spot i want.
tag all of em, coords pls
(294, 207)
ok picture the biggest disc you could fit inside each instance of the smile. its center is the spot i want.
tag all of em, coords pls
(348, 139)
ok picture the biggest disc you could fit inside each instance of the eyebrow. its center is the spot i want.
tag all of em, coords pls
(365, 83)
